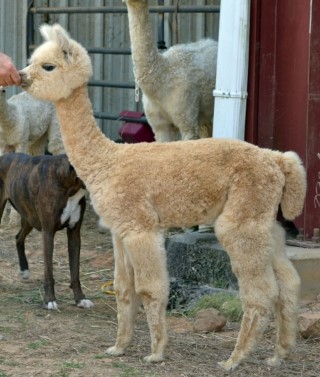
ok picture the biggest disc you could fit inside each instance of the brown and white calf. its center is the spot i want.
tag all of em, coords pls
(47, 193)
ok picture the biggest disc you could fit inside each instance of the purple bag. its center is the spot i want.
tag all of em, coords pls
(135, 132)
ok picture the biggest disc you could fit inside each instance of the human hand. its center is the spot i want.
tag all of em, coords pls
(8, 72)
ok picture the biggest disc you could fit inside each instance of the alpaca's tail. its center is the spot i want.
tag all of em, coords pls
(295, 187)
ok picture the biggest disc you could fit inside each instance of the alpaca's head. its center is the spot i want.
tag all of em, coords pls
(57, 67)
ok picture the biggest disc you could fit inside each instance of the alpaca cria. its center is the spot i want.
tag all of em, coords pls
(47, 193)
(28, 124)
(177, 85)
(141, 189)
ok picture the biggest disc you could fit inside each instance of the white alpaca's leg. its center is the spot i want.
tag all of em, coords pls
(14, 217)
(205, 130)
(165, 132)
(38, 147)
(148, 258)
(187, 121)
(288, 302)
(162, 128)
(248, 246)
(55, 144)
(189, 133)
(6, 214)
(127, 300)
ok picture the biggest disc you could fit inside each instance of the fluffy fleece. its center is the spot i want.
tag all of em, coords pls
(28, 124)
(177, 85)
(139, 190)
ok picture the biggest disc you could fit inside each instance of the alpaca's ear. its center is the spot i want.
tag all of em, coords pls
(58, 34)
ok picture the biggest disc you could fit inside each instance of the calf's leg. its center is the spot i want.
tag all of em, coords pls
(49, 296)
(74, 245)
(20, 245)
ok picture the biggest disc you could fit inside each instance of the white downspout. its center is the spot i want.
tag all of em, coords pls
(232, 70)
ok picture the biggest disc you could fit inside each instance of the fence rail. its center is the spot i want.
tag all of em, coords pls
(152, 9)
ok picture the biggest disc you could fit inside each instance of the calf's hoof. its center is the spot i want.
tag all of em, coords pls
(51, 305)
(85, 304)
(25, 274)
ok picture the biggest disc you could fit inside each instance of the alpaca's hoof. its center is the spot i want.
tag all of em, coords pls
(228, 365)
(51, 305)
(85, 304)
(274, 361)
(115, 351)
(153, 358)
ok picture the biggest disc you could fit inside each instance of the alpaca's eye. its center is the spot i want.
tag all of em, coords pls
(48, 67)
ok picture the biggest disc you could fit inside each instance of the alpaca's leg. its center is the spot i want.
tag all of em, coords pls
(205, 130)
(288, 302)
(189, 131)
(187, 120)
(248, 246)
(127, 300)
(14, 217)
(38, 147)
(165, 132)
(148, 258)
(55, 144)
(162, 128)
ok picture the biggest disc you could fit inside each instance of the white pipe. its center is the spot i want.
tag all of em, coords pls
(232, 70)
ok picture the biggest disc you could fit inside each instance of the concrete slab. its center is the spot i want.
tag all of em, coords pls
(307, 263)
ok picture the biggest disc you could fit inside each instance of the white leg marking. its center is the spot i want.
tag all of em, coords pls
(25, 274)
(51, 305)
(85, 304)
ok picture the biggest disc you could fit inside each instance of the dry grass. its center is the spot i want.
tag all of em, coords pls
(72, 342)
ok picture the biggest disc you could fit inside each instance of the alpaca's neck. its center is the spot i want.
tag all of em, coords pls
(83, 141)
(144, 53)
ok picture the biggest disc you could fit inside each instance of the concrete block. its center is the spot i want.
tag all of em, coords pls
(198, 258)
(307, 263)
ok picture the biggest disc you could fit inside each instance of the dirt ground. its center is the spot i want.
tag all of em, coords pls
(72, 341)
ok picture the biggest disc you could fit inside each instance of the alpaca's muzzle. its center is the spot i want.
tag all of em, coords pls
(25, 81)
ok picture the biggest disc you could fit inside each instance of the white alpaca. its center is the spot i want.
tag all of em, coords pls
(139, 190)
(176, 85)
(28, 124)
